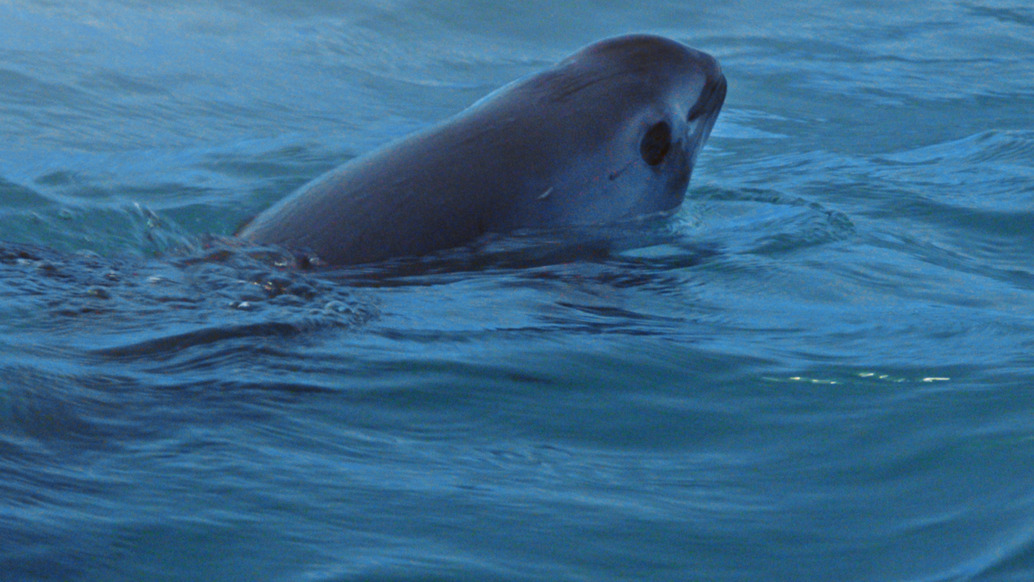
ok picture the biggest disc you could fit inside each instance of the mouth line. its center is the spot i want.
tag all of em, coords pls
(711, 99)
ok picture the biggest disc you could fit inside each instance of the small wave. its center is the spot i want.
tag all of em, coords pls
(17, 195)
(1007, 559)
(767, 221)
(999, 146)
(1018, 15)
(989, 172)
(58, 407)
(118, 229)
(175, 342)
(128, 308)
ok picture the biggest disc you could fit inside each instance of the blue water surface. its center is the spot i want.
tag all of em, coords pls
(822, 368)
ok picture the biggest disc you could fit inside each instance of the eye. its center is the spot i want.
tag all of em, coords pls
(656, 143)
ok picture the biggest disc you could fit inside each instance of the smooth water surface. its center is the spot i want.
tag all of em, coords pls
(822, 368)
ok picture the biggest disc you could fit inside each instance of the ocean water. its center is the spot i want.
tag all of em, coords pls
(822, 368)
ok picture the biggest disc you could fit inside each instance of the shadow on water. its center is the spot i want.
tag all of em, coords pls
(649, 243)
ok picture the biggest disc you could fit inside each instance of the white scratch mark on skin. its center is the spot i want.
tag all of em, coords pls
(546, 194)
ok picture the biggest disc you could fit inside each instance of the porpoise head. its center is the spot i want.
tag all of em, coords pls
(625, 117)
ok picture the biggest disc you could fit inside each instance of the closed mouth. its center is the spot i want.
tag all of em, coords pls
(711, 99)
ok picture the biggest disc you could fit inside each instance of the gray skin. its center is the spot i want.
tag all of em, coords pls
(608, 134)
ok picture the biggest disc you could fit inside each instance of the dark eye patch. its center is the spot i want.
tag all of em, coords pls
(656, 143)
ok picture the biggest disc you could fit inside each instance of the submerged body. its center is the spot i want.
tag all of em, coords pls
(611, 132)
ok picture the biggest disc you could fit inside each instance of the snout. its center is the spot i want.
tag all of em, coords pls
(711, 98)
